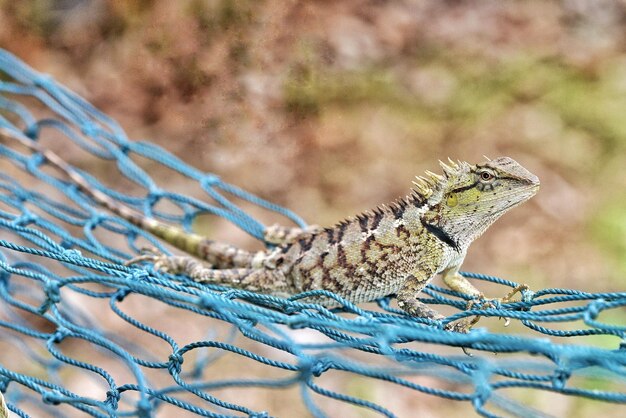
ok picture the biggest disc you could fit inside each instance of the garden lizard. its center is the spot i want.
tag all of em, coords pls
(393, 249)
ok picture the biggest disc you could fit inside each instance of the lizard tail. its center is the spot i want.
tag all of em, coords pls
(219, 255)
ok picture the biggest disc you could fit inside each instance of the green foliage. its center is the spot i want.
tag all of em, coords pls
(221, 15)
(309, 88)
(592, 104)
(35, 16)
(608, 227)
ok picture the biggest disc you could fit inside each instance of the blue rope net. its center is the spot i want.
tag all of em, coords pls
(83, 332)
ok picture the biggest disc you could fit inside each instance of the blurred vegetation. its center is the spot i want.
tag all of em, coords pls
(331, 107)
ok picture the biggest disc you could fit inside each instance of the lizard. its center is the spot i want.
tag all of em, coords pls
(393, 249)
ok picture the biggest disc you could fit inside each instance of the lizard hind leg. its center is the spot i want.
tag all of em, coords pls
(216, 254)
(259, 280)
(279, 234)
(408, 302)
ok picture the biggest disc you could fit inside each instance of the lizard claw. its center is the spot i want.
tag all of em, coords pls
(507, 298)
(492, 303)
(145, 254)
(150, 254)
(517, 289)
(463, 325)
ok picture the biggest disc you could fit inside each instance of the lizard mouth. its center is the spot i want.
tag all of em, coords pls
(525, 194)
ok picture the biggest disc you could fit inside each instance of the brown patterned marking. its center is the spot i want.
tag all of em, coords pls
(306, 243)
(341, 256)
(326, 272)
(341, 229)
(279, 261)
(365, 247)
(330, 234)
(402, 232)
(363, 221)
(415, 198)
(378, 215)
(398, 208)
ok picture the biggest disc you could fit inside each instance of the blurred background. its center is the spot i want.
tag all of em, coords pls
(330, 108)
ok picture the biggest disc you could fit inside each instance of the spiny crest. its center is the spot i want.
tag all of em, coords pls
(428, 185)
(449, 170)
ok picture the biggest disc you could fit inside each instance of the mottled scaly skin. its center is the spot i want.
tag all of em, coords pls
(393, 249)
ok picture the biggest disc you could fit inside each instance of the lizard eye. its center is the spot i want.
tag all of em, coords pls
(486, 175)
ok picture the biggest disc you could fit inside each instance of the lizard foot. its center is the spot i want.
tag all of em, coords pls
(162, 262)
(146, 254)
(462, 325)
(488, 303)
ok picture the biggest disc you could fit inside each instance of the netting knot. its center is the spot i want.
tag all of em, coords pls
(527, 295)
(72, 253)
(205, 301)
(89, 129)
(52, 398)
(4, 278)
(113, 398)
(560, 377)
(25, 220)
(594, 309)
(66, 244)
(231, 294)
(314, 366)
(175, 363)
(97, 219)
(32, 130)
(489, 303)
(210, 180)
(481, 396)
(153, 197)
(35, 161)
(21, 195)
(291, 309)
(53, 296)
(4, 384)
(297, 321)
(139, 274)
(144, 408)
(44, 81)
(121, 294)
(60, 334)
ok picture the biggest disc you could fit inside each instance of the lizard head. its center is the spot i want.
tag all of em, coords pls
(467, 199)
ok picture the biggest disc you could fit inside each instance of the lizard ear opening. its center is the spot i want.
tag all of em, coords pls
(452, 200)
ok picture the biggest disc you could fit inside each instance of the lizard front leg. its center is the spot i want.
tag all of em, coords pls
(407, 301)
(455, 281)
